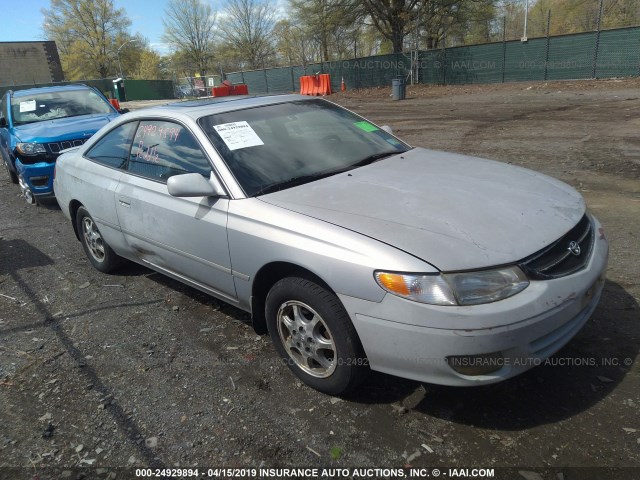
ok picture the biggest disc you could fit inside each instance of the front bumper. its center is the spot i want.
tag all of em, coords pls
(38, 177)
(413, 340)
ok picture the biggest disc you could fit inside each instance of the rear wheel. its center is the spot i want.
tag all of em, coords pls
(99, 253)
(312, 332)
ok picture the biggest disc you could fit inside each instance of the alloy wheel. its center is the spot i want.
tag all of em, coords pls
(307, 339)
(93, 239)
(26, 191)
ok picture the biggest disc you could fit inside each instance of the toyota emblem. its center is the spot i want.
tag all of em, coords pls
(574, 248)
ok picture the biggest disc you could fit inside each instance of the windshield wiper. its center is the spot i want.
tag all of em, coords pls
(374, 158)
(294, 181)
(299, 180)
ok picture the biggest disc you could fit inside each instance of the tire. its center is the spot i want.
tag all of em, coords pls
(99, 253)
(27, 194)
(303, 316)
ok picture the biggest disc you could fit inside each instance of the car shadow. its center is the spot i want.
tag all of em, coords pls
(17, 256)
(194, 294)
(577, 377)
(49, 204)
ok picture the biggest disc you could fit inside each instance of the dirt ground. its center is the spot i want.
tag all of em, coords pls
(102, 371)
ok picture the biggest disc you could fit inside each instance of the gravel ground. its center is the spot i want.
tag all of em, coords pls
(134, 369)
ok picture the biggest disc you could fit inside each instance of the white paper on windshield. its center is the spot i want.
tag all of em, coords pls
(28, 106)
(238, 135)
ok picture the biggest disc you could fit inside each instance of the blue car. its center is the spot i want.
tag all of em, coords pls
(39, 123)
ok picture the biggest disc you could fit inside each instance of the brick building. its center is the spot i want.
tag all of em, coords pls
(23, 63)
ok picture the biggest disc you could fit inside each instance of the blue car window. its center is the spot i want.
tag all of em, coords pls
(32, 106)
(162, 149)
(112, 150)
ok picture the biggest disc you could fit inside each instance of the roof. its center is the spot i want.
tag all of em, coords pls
(211, 106)
(53, 88)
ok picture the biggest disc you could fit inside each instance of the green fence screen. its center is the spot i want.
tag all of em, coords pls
(148, 89)
(605, 54)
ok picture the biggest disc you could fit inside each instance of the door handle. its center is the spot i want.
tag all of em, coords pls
(124, 204)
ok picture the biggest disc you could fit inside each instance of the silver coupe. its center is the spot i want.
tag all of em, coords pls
(354, 250)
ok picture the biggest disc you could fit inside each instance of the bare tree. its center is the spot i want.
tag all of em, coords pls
(292, 43)
(395, 19)
(392, 18)
(460, 21)
(247, 28)
(331, 23)
(190, 28)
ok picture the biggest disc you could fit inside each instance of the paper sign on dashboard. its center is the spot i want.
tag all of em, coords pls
(28, 106)
(238, 135)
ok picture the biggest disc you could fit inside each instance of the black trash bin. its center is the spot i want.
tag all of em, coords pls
(398, 88)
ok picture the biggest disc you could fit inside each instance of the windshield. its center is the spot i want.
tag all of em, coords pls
(273, 147)
(49, 106)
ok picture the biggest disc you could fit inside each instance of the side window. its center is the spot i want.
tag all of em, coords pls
(162, 149)
(112, 150)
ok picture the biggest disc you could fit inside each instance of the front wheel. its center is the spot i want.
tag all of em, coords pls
(99, 253)
(313, 333)
(27, 194)
(12, 175)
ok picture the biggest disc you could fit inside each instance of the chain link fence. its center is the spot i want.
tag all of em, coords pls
(596, 54)
(192, 87)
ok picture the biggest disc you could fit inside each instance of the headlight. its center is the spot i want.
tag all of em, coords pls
(486, 286)
(467, 288)
(30, 148)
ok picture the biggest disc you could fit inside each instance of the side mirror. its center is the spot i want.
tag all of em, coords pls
(194, 185)
(3, 122)
(123, 110)
(387, 129)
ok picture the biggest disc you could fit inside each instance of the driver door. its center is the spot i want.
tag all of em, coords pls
(185, 238)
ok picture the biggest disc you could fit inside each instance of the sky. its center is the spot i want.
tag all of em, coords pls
(23, 19)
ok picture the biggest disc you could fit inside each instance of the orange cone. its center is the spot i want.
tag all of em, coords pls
(343, 87)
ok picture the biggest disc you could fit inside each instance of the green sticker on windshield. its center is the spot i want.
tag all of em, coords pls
(366, 126)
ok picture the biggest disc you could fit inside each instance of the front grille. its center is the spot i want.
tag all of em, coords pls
(56, 147)
(563, 257)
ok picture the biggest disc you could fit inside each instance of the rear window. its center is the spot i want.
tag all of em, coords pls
(112, 150)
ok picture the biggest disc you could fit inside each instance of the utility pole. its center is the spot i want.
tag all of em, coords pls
(526, 17)
(595, 52)
(118, 54)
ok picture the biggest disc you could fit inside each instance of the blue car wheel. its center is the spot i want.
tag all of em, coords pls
(26, 191)
(12, 175)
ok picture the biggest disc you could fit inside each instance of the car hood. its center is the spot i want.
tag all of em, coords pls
(453, 211)
(62, 128)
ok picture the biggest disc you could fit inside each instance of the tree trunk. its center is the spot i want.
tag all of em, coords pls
(432, 42)
(397, 41)
(397, 35)
(325, 51)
